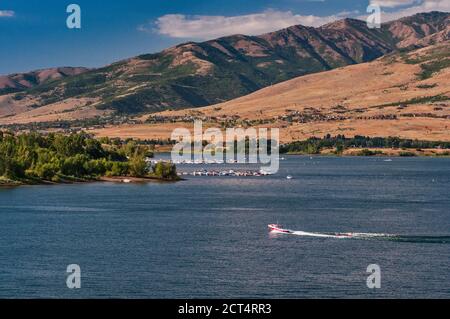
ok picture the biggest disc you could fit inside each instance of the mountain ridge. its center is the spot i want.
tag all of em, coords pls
(404, 95)
(17, 82)
(199, 74)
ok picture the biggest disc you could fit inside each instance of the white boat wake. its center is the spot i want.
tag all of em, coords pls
(341, 235)
(277, 229)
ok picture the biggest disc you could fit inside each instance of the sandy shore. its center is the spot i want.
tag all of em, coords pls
(129, 180)
(114, 179)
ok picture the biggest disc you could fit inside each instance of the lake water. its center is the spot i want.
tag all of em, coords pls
(207, 237)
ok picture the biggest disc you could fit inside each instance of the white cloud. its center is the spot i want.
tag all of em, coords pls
(420, 6)
(209, 27)
(199, 27)
(6, 13)
(393, 3)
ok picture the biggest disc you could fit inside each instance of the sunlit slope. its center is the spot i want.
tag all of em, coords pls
(404, 94)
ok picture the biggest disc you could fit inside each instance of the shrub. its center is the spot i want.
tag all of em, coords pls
(367, 152)
(165, 170)
(407, 154)
(138, 166)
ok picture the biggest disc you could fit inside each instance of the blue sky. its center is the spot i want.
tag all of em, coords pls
(34, 35)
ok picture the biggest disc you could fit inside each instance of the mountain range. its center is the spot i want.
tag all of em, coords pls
(200, 74)
(22, 81)
(402, 94)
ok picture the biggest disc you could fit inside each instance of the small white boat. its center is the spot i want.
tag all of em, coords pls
(289, 177)
(127, 181)
(275, 228)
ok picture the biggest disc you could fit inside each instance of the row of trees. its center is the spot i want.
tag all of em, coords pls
(57, 157)
(340, 142)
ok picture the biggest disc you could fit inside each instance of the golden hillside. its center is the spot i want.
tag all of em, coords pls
(402, 94)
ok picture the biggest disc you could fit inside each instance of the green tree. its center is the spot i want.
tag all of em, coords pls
(46, 171)
(74, 166)
(138, 166)
(118, 169)
(165, 170)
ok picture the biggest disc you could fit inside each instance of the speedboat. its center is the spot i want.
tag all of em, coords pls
(278, 229)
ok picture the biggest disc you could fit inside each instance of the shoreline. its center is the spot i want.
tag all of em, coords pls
(380, 152)
(383, 152)
(134, 180)
(5, 183)
(354, 152)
